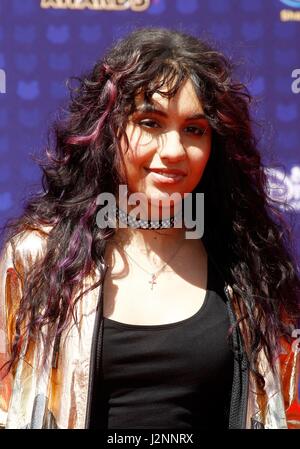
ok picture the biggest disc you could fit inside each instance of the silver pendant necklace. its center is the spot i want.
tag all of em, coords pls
(154, 275)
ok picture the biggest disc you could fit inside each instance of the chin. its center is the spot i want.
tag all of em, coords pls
(164, 198)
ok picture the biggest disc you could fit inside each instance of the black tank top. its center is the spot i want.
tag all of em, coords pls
(169, 376)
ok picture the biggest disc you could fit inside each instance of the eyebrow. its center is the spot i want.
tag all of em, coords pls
(147, 107)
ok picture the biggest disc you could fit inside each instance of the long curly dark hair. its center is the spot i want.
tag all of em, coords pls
(244, 229)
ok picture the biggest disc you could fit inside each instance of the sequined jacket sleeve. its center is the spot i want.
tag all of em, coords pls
(17, 258)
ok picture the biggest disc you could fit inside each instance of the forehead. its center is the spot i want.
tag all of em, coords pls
(185, 100)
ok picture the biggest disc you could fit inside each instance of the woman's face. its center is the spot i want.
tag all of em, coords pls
(171, 135)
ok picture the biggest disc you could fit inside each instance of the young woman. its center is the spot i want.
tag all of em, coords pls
(139, 326)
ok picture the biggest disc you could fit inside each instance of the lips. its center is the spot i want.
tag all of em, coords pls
(167, 171)
(163, 175)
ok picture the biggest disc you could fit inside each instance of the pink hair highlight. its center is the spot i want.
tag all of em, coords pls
(91, 138)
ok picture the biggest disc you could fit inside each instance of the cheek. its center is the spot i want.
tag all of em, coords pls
(198, 161)
(137, 153)
(135, 161)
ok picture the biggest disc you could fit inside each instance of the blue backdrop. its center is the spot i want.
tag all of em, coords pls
(43, 42)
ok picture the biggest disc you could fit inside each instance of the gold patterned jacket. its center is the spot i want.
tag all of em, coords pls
(60, 396)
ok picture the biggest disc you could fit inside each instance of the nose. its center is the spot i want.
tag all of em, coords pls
(170, 147)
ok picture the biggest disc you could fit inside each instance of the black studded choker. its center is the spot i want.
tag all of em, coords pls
(145, 224)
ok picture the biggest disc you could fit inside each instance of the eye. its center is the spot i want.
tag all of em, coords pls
(149, 123)
(196, 130)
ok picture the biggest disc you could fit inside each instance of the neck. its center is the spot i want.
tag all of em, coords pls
(159, 241)
(156, 240)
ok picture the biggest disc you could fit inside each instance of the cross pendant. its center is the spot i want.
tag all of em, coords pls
(153, 281)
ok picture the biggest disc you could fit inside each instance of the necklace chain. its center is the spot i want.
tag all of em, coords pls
(155, 274)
